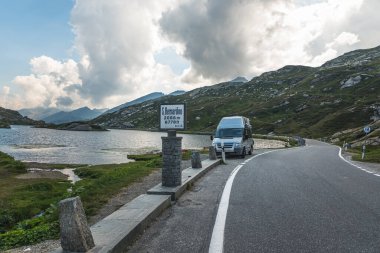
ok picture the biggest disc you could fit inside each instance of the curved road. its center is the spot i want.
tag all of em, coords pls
(302, 200)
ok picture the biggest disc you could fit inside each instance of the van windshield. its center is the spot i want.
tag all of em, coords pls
(229, 132)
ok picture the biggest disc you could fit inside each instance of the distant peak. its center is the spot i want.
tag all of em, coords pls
(239, 79)
(177, 93)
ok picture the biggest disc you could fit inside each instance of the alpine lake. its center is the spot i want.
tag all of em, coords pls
(42, 145)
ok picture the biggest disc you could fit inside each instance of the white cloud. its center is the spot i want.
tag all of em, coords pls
(6, 90)
(118, 40)
(48, 84)
(227, 38)
(343, 39)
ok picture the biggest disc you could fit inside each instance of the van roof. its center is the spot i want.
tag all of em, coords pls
(232, 122)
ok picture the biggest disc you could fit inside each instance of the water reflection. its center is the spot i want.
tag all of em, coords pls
(55, 146)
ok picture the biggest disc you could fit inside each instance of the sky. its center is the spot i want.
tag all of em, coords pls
(101, 53)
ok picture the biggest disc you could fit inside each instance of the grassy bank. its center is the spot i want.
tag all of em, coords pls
(28, 208)
(100, 182)
(372, 154)
(21, 200)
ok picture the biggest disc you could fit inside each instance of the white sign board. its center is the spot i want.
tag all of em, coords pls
(173, 117)
(367, 129)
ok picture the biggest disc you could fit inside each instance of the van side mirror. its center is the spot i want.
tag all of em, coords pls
(211, 137)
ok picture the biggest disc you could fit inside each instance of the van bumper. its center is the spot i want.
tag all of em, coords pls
(234, 151)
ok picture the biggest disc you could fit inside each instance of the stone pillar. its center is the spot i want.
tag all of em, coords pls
(171, 157)
(211, 153)
(75, 234)
(196, 162)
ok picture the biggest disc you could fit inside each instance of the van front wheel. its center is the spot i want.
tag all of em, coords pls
(243, 153)
(250, 151)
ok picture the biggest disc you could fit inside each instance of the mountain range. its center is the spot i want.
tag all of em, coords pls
(81, 114)
(314, 102)
(38, 113)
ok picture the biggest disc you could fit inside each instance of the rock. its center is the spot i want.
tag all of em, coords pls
(75, 233)
(196, 162)
(352, 81)
(301, 108)
(211, 153)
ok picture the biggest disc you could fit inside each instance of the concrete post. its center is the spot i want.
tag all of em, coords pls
(75, 233)
(211, 153)
(196, 162)
(171, 157)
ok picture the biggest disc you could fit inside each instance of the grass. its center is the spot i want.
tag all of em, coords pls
(22, 200)
(28, 208)
(372, 154)
(100, 182)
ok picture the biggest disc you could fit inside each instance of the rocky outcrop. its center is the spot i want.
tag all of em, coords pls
(4, 125)
(10, 117)
(80, 126)
(352, 81)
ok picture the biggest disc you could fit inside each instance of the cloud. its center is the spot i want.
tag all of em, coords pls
(117, 41)
(344, 38)
(227, 38)
(46, 85)
(6, 90)
(64, 102)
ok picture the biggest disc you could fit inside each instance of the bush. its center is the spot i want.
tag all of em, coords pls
(9, 164)
(37, 231)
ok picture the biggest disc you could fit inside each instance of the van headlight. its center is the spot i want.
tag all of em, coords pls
(237, 145)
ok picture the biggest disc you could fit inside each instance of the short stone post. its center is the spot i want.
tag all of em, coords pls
(211, 153)
(75, 234)
(171, 158)
(196, 162)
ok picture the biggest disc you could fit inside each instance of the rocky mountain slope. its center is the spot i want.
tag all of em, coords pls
(343, 93)
(10, 117)
(356, 136)
(148, 97)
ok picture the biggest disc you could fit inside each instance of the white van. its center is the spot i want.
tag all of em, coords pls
(234, 134)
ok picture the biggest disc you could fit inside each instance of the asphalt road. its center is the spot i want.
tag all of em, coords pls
(304, 199)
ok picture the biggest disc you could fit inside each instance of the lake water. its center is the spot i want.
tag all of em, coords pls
(71, 147)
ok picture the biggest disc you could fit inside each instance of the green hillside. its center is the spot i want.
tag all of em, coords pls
(10, 117)
(312, 102)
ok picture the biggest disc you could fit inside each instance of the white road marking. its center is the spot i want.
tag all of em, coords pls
(340, 155)
(357, 166)
(217, 238)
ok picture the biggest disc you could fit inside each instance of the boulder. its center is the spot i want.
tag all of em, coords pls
(196, 162)
(75, 233)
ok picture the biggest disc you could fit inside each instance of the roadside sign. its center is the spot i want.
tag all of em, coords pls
(173, 117)
(367, 129)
